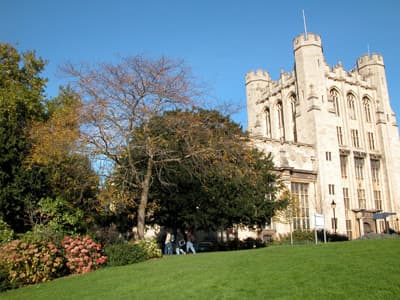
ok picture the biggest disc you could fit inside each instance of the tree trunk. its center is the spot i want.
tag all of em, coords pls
(141, 213)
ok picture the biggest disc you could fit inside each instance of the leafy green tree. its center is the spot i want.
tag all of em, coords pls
(291, 210)
(39, 156)
(209, 177)
(21, 103)
(56, 149)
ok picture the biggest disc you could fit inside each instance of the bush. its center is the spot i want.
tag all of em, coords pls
(237, 244)
(332, 237)
(42, 233)
(125, 254)
(5, 284)
(29, 263)
(151, 248)
(301, 236)
(82, 254)
(6, 233)
(132, 252)
(251, 243)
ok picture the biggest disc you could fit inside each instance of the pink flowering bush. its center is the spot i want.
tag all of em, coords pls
(82, 254)
(30, 263)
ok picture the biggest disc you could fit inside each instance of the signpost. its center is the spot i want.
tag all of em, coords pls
(383, 216)
(319, 222)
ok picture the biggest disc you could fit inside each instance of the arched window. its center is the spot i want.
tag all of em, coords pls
(267, 123)
(281, 123)
(292, 100)
(334, 97)
(367, 110)
(351, 106)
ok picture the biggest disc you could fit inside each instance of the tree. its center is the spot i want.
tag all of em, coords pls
(21, 103)
(119, 98)
(56, 149)
(213, 178)
(289, 212)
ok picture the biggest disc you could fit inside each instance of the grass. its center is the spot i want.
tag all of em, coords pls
(367, 269)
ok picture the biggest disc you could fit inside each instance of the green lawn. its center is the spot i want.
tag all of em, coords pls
(350, 270)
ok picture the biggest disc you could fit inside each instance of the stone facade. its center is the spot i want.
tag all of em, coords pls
(333, 136)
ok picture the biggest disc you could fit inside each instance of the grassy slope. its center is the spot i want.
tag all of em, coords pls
(351, 270)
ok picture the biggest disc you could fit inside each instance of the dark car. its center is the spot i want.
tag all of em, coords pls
(205, 246)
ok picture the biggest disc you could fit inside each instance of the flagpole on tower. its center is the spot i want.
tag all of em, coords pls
(305, 25)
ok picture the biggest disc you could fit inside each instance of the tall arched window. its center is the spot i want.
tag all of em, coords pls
(351, 106)
(267, 123)
(292, 100)
(334, 97)
(367, 110)
(281, 123)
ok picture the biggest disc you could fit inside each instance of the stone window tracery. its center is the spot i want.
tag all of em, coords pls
(354, 138)
(267, 123)
(339, 134)
(367, 110)
(281, 122)
(351, 106)
(378, 199)
(293, 100)
(301, 221)
(359, 168)
(346, 198)
(343, 165)
(362, 203)
(375, 166)
(334, 96)
(371, 141)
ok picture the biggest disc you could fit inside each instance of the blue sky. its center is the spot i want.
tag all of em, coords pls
(220, 40)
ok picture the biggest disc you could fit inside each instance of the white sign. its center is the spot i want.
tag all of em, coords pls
(319, 220)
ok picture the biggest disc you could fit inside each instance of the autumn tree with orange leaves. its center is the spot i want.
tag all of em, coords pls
(56, 149)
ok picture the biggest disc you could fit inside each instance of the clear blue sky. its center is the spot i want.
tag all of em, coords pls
(220, 40)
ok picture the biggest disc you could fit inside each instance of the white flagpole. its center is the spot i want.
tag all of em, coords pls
(305, 25)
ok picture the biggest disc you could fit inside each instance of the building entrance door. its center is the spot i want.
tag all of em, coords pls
(367, 228)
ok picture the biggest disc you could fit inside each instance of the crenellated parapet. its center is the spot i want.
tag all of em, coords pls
(259, 75)
(307, 40)
(370, 60)
(352, 77)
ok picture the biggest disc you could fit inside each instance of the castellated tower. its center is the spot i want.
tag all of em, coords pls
(372, 68)
(256, 84)
(334, 139)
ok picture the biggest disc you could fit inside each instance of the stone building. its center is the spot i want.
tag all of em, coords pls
(334, 139)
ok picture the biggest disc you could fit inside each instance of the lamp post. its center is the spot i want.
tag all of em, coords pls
(333, 205)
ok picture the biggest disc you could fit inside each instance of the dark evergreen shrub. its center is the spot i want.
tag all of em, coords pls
(125, 254)
(236, 244)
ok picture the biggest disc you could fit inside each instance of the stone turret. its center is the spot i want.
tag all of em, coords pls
(309, 70)
(310, 40)
(256, 84)
(372, 69)
(309, 64)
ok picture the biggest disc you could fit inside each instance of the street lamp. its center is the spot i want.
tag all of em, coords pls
(333, 205)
